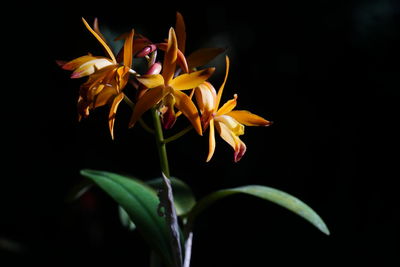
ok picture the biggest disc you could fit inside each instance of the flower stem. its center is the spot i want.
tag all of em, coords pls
(178, 135)
(161, 145)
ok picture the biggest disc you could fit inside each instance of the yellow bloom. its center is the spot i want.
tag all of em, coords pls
(228, 122)
(107, 78)
(168, 88)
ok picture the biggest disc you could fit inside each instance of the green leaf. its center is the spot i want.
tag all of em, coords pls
(276, 196)
(141, 203)
(184, 199)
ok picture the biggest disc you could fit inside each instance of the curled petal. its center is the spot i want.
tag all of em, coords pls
(211, 141)
(233, 140)
(247, 118)
(113, 111)
(151, 81)
(187, 107)
(146, 102)
(228, 106)
(146, 50)
(191, 80)
(168, 113)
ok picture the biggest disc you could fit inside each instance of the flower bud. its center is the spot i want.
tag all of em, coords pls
(146, 50)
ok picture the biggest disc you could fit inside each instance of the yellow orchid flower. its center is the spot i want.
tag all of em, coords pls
(107, 78)
(168, 88)
(229, 123)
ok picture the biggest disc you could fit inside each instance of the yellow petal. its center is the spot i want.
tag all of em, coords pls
(206, 97)
(187, 107)
(180, 32)
(233, 125)
(191, 80)
(146, 102)
(233, 140)
(102, 42)
(128, 47)
(211, 141)
(151, 81)
(247, 118)
(75, 63)
(170, 57)
(228, 106)
(181, 59)
(221, 89)
(202, 56)
(113, 111)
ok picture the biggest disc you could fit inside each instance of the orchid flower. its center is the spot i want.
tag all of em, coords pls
(107, 78)
(167, 88)
(228, 122)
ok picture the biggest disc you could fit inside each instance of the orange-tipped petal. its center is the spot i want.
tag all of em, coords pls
(191, 80)
(113, 111)
(180, 32)
(228, 106)
(202, 56)
(170, 57)
(146, 102)
(102, 42)
(247, 118)
(128, 47)
(151, 81)
(221, 89)
(211, 141)
(187, 107)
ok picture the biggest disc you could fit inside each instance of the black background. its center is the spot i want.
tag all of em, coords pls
(325, 72)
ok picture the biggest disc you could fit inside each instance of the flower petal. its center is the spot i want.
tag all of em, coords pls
(181, 60)
(202, 56)
(211, 141)
(187, 107)
(146, 102)
(233, 140)
(97, 29)
(170, 57)
(151, 81)
(228, 106)
(221, 89)
(180, 32)
(90, 67)
(191, 80)
(102, 42)
(113, 111)
(247, 118)
(128, 47)
(233, 125)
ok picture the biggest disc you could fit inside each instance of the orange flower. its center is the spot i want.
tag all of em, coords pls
(107, 78)
(167, 88)
(229, 123)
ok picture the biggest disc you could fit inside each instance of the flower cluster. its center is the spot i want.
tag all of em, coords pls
(168, 86)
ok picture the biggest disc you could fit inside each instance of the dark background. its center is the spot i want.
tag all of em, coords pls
(326, 72)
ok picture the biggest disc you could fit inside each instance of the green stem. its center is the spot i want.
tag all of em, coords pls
(178, 135)
(161, 144)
